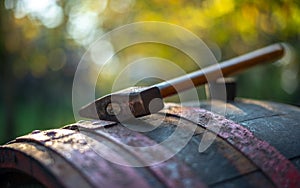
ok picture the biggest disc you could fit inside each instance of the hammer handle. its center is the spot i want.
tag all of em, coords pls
(264, 55)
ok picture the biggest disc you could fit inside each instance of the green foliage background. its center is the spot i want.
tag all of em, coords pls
(41, 45)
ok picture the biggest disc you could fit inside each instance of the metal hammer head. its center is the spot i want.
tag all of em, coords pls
(125, 104)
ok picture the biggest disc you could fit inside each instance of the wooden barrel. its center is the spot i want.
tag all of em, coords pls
(257, 145)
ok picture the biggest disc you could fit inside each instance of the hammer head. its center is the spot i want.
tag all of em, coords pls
(125, 104)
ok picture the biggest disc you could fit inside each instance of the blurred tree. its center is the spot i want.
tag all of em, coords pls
(7, 88)
(41, 43)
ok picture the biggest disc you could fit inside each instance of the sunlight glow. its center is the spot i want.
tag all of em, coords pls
(101, 52)
(85, 21)
(48, 12)
(82, 27)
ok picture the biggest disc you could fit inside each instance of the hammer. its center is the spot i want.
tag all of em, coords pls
(136, 102)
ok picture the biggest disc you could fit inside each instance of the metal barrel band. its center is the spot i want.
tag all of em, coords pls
(272, 163)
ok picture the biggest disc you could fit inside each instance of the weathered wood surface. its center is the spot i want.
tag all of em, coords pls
(62, 157)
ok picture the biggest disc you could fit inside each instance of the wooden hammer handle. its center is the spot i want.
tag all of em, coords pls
(264, 55)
